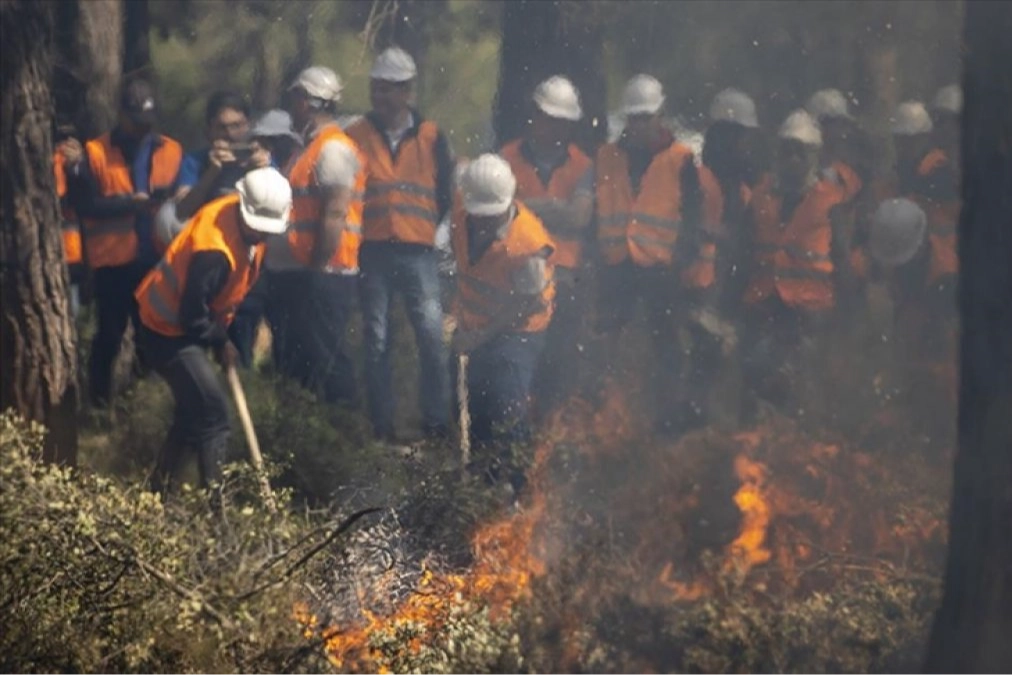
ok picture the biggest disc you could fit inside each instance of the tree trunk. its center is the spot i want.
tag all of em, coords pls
(973, 624)
(38, 362)
(89, 63)
(541, 39)
(137, 39)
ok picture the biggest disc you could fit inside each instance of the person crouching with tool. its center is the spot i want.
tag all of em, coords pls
(503, 305)
(187, 302)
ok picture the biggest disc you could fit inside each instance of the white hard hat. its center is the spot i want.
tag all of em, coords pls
(265, 200)
(911, 118)
(800, 126)
(393, 65)
(898, 227)
(167, 226)
(828, 103)
(732, 105)
(643, 95)
(319, 82)
(557, 97)
(487, 186)
(949, 99)
(274, 123)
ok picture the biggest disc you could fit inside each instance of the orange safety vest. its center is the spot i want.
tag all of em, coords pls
(644, 226)
(942, 218)
(69, 229)
(701, 272)
(485, 287)
(215, 227)
(110, 242)
(792, 260)
(569, 249)
(306, 204)
(400, 191)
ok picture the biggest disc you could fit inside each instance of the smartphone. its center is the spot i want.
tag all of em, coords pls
(241, 151)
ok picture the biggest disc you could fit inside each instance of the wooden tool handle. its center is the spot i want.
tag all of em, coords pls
(465, 415)
(251, 438)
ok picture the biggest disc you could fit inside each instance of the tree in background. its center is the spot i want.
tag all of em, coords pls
(89, 63)
(541, 39)
(973, 625)
(38, 362)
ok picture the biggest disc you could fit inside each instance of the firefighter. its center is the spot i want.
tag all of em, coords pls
(409, 189)
(555, 180)
(187, 303)
(647, 189)
(712, 278)
(842, 158)
(797, 259)
(314, 268)
(503, 306)
(117, 187)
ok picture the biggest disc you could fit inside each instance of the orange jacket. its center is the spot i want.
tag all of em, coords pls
(215, 227)
(569, 248)
(306, 216)
(943, 216)
(643, 226)
(73, 253)
(486, 286)
(110, 242)
(792, 260)
(400, 191)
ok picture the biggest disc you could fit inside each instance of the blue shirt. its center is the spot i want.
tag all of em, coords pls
(195, 163)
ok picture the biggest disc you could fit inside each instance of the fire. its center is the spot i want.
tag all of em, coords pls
(780, 509)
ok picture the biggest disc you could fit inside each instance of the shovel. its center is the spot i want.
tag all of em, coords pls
(251, 438)
(464, 416)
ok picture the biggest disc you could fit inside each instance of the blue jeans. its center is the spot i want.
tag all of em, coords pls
(413, 271)
(499, 375)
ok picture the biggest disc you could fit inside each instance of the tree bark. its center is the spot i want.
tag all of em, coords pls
(89, 63)
(137, 39)
(541, 39)
(38, 361)
(973, 625)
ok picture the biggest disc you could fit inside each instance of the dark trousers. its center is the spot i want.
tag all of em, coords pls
(622, 287)
(114, 297)
(558, 373)
(200, 421)
(313, 312)
(412, 271)
(499, 375)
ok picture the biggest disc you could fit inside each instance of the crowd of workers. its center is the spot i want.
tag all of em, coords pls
(745, 250)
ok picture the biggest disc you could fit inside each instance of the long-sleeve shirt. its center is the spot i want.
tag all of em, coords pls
(205, 278)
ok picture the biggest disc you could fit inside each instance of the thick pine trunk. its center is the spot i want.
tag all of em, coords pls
(38, 362)
(136, 39)
(974, 623)
(541, 39)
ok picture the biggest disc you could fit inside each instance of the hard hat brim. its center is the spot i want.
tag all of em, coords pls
(559, 112)
(487, 208)
(642, 109)
(258, 222)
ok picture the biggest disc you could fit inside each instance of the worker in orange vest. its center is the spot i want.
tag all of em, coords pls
(69, 151)
(409, 190)
(314, 268)
(555, 180)
(117, 187)
(798, 256)
(503, 306)
(648, 196)
(187, 303)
